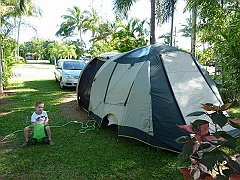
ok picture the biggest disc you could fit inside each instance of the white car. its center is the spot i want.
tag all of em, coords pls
(67, 72)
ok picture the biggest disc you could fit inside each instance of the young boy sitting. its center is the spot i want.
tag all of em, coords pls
(38, 117)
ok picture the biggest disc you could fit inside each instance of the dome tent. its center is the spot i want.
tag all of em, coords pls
(148, 91)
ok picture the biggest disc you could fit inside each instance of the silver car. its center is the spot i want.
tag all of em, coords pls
(67, 72)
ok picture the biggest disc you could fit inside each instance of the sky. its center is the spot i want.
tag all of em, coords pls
(52, 10)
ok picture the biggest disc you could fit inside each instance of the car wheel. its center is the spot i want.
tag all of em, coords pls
(61, 84)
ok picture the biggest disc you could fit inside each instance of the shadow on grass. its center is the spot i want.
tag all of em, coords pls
(23, 101)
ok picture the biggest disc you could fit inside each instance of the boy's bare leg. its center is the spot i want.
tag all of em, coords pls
(26, 133)
(49, 134)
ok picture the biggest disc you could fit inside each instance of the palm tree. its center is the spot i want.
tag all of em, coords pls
(153, 22)
(186, 28)
(134, 28)
(20, 9)
(10, 9)
(30, 9)
(166, 10)
(193, 34)
(92, 23)
(75, 20)
(104, 31)
(162, 10)
(121, 8)
(131, 35)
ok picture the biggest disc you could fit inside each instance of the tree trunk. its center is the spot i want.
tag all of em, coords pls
(1, 70)
(152, 23)
(55, 60)
(18, 34)
(193, 35)
(171, 33)
(80, 35)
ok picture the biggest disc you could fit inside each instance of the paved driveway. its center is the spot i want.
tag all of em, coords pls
(29, 72)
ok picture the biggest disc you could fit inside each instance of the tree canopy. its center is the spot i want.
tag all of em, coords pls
(215, 24)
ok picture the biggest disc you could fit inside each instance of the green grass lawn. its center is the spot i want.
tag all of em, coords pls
(95, 154)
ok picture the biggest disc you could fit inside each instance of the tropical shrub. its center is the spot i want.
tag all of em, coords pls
(204, 148)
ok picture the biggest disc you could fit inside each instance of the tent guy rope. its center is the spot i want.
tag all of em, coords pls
(84, 127)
